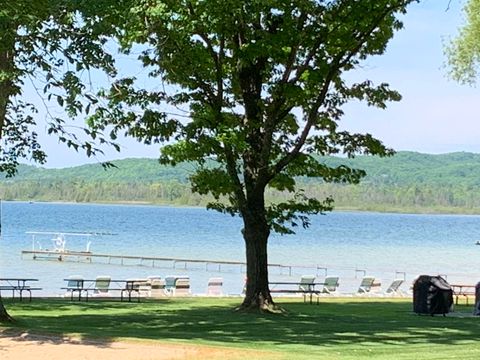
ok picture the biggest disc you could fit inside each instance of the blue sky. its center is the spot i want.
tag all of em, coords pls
(436, 114)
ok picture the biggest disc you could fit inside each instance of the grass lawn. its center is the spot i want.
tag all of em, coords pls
(348, 328)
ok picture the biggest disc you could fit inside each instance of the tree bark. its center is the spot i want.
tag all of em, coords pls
(4, 317)
(5, 87)
(6, 67)
(255, 233)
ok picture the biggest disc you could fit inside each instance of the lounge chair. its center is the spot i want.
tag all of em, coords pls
(214, 287)
(306, 287)
(102, 285)
(157, 288)
(306, 283)
(366, 285)
(376, 287)
(144, 287)
(394, 288)
(170, 284)
(330, 285)
(182, 286)
(75, 284)
(140, 287)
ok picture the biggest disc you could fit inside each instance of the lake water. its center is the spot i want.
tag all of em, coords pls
(347, 244)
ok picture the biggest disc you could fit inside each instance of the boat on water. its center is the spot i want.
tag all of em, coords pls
(53, 245)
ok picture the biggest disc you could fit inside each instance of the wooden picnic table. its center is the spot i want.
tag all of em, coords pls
(18, 285)
(307, 289)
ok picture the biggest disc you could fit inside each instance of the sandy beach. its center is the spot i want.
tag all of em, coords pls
(23, 345)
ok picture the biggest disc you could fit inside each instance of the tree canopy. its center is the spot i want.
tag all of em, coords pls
(43, 44)
(463, 52)
(259, 87)
(261, 84)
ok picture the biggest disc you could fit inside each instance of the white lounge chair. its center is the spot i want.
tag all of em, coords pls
(214, 286)
(182, 286)
(157, 288)
(140, 287)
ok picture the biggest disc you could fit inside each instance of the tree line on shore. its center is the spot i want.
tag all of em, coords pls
(407, 182)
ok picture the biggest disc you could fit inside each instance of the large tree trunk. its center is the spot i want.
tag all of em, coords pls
(4, 317)
(7, 39)
(255, 234)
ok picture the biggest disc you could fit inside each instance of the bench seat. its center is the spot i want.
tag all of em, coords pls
(20, 290)
(298, 291)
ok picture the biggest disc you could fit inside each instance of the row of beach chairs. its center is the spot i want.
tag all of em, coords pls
(152, 286)
(157, 287)
(369, 285)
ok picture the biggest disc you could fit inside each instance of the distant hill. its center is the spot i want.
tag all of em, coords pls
(408, 181)
(402, 169)
(127, 170)
(409, 168)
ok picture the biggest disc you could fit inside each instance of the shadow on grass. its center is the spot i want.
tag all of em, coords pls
(332, 323)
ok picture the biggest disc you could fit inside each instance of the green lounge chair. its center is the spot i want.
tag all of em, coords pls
(102, 286)
(366, 285)
(75, 284)
(330, 285)
(306, 283)
(394, 288)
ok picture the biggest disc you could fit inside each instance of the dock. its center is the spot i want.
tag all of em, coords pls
(208, 265)
(161, 262)
(58, 251)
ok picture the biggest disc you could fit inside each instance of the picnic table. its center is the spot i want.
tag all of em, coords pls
(462, 290)
(132, 286)
(307, 289)
(18, 285)
(84, 286)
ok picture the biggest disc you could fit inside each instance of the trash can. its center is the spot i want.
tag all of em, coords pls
(432, 295)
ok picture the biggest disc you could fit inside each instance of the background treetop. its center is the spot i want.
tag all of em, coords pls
(463, 52)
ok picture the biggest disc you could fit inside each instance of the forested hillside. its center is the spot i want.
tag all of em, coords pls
(408, 181)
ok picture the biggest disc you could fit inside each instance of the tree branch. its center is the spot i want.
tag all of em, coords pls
(217, 58)
(231, 165)
(340, 61)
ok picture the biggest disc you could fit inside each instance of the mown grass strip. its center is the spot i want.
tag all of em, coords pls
(349, 328)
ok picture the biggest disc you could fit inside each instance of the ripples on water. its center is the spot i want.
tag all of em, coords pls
(380, 244)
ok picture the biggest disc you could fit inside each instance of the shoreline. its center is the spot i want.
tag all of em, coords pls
(405, 211)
